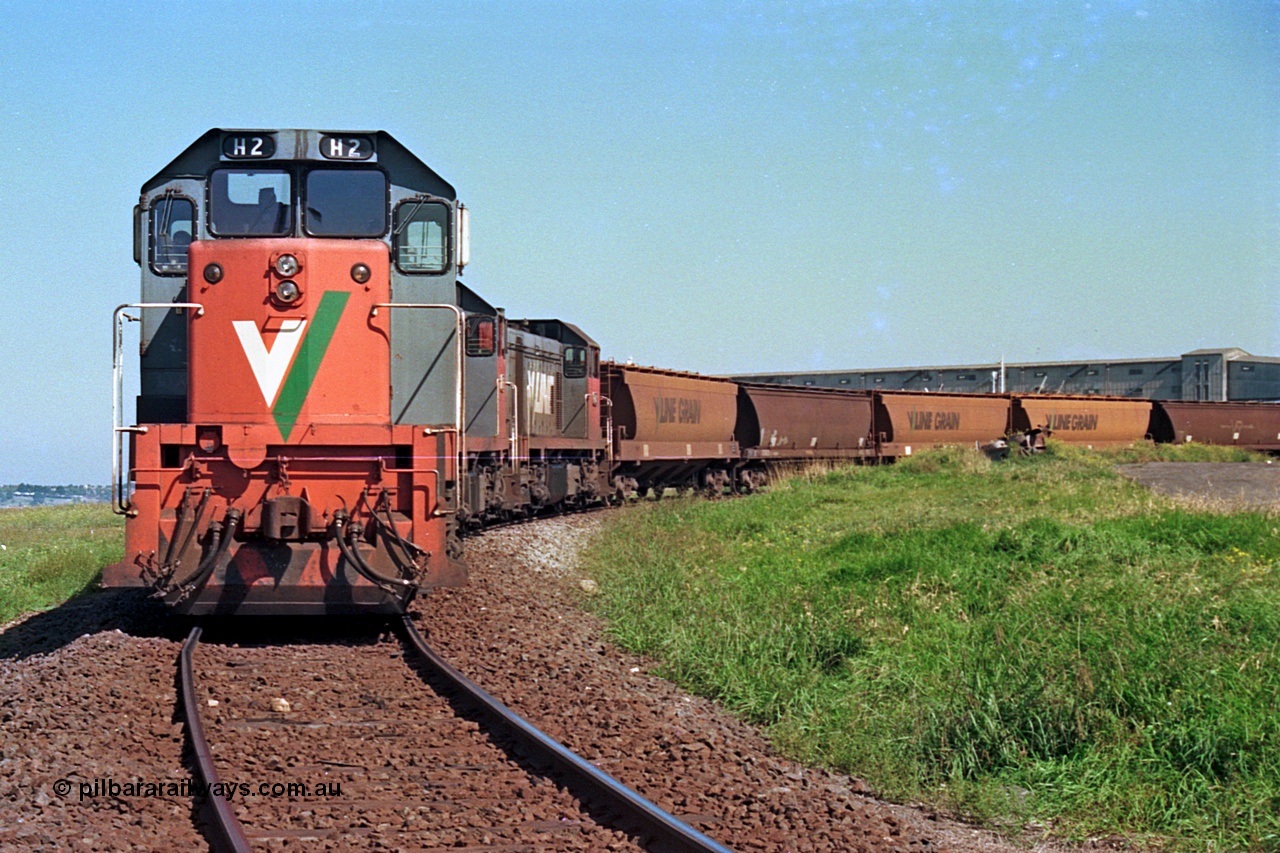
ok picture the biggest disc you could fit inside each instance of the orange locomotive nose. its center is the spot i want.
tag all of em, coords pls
(269, 473)
(291, 489)
(288, 337)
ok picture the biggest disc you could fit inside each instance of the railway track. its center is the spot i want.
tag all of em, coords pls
(228, 834)
(616, 809)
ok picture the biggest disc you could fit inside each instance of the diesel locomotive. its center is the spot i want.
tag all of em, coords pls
(325, 408)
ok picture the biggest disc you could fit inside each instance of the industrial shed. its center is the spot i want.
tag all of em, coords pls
(1203, 374)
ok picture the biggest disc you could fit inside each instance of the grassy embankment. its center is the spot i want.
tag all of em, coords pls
(52, 553)
(1035, 642)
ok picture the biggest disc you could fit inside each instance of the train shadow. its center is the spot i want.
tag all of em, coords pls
(130, 611)
(347, 630)
(134, 612)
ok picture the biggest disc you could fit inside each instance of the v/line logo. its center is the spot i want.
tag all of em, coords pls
(539, 391)
(269, 365)
(300, 343)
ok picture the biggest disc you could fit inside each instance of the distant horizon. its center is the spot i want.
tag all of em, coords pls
(70, 493)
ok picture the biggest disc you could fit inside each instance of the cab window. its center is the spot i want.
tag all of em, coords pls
(346, 203)
(575, 362)
(244, 203)
(421, 229)
(172, 228)
(480, 336)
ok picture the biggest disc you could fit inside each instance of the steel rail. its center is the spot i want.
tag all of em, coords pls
(227, 827)
(658, 830)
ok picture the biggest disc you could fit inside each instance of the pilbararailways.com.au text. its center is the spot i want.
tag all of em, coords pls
(88, 790)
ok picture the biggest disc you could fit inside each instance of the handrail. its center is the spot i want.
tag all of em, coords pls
(459, 386)
(119, 502)
(515, 421)
(608, 431)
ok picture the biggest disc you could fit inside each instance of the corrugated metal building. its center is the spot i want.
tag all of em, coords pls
(1203, 374)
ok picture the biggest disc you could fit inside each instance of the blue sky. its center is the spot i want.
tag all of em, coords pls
(717, 187)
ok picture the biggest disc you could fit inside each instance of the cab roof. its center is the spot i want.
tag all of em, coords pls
(228, 147)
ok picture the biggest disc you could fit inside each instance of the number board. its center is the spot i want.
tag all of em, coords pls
(248, 146)
(346, 147)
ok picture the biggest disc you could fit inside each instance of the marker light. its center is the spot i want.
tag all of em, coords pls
(286, 265)
(287, 291)
(213, 273)
(360, 273)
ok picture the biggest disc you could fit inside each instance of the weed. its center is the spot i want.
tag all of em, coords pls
(52, 553)
(1037, 639)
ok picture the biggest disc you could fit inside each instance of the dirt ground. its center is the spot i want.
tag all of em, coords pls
(1228, 485)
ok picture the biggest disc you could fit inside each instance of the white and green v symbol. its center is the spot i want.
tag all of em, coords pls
(310, 340)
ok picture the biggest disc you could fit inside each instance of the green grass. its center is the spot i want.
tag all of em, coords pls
(53, 553)
(1037, 641)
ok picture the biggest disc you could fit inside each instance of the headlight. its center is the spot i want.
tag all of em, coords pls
(360, 273)
(213, 273)
(287, 265)
(287, 291)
